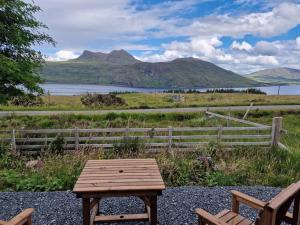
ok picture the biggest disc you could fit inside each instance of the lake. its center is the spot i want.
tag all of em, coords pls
(78, 89)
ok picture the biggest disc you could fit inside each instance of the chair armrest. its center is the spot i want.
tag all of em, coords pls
(21, 218)
(238, 197)
(209, 218)
(3, 222)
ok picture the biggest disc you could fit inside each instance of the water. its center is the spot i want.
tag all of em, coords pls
(78, 89)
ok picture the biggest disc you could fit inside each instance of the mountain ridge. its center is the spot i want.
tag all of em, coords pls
(277, 75)
(120, 68)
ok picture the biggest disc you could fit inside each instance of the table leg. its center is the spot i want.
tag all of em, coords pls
(153, 210)
(86, 211)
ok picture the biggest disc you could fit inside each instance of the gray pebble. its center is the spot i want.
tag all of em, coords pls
(175, 206)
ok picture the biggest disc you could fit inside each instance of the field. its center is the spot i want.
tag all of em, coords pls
(162, 100)
(241, 166)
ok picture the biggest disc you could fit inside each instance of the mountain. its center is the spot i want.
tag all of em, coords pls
(121, 68)
(120, 57)
(277, 75)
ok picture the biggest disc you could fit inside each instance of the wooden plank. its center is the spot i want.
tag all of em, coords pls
(121, 160)
(235, 119)
(119, 188)
(229, 216)
(248, 110)
(112, 180)
(122, 218)
(246, 221)
(276, 130)
(222, 213)
(109, 177)
(263, 143)
(116, 183)
(153, 210)
(86, 211)
(207, 218)
(284, 195)
(127, 165)
(248, 200)
(123, 174)
(22, 218)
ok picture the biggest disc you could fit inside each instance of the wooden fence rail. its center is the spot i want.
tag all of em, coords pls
(168, 138)
(254, 134)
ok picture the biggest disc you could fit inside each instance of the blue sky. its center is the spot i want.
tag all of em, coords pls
(240, 35)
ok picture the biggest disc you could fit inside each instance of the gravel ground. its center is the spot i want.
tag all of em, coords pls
(175, 206)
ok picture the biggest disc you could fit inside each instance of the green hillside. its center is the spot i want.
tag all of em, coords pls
(277, 75)
(120, 68)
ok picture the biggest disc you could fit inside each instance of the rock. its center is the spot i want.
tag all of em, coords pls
(35, 164)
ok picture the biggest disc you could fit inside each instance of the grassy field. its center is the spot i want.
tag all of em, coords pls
(242, 166)
(163, 100)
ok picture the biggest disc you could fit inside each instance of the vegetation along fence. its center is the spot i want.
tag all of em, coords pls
(180, 138)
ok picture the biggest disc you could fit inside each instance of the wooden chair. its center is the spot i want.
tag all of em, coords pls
(24, 218)
(273, 212)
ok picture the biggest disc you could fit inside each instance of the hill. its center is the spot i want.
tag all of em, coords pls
(120, 68)
(277, 75)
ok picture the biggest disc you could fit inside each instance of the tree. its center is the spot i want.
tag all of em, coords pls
(19, 62)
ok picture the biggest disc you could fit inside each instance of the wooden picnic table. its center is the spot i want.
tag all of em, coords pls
(119, 178)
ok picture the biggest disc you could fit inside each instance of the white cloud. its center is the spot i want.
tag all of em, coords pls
(266, 48)
(106, 25)
(80, 24)
(261, 60)
(298, 42)
(266, 24)
(241, 46)
(197, 47)
(62, 55)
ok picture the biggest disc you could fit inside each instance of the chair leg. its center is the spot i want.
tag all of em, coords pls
(29, 221)
(200, 221)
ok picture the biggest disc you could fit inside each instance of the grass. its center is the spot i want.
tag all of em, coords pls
(242, 166)
(162, 100)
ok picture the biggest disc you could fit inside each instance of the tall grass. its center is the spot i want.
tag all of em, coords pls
(241, 166)
(272, 167)
(159, 100)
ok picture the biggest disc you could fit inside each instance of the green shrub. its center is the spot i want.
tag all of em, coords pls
(101, 100)
(129, 146)
(57, 145)
(26, 100)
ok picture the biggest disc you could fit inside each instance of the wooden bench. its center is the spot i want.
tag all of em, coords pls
(24, 218)
(273, 212)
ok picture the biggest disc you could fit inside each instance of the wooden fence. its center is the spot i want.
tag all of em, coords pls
(186, 138)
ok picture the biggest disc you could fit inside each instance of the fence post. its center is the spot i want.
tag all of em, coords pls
(170, 129)
(127, 132)
(13, 142)
(276, 131)
(76, 139)
(220, 131)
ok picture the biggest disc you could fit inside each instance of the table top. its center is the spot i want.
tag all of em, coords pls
(119, 175)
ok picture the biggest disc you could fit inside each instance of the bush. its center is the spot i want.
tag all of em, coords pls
(26, 100)
(57, 145)
(101, 100)
(128, 147)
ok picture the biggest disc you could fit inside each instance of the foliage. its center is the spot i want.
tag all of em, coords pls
(57, 145)
(230, 90)
(161, 100)
(58, 173)
(26, 100)
(128, 147)
(241, 166)
(101, 100)
(218, 90)
(19, 31)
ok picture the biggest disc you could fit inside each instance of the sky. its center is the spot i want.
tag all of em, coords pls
(240, 35)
